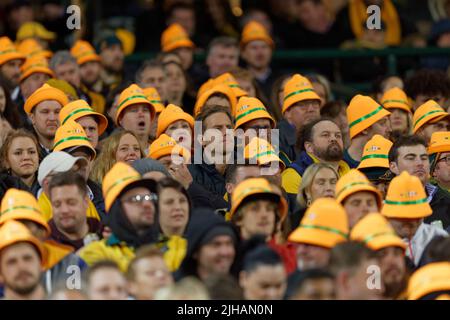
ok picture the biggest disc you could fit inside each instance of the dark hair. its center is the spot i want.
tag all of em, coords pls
(148, 64)
(380, 82)
(261, 256)
(349, 256)
(174, 184)
(11, 112)
(206, 112)
(427, 82)
(297, 280)
(178, 5)
(306, 133)
(144, 252)
(231, 169)
(223, 287)
(222, 41)
(68, 178)
(437, 250)
(404, 141)
(332, 109)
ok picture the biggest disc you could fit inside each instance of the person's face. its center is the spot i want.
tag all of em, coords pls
(69, 208)
(222, 59)
(217, 256)
(260, 126)
(356, 284)
(151, 274)
(45, 118)
(405, 228)
(181, 132)
(140, 214)
(186, 18)
(69, 72)
(173, 209)
(414, 160)
(311, 256)
(421, 99)
(257, 217)
(90, 127)
(327, 143)
(32, 83)
(90, 72)
(2, 100)
(243, 172)
(381, 127)
(107, 284)
(128, 150)
(247, 86)
(444, 40)
(442, 169)
(186, 56)
(316, 289)
(156, 78)
(175, 79)
(11, 71)
(399, 120)
(321, 92)
(218, 100)
(310, 14)
(323, 184)
(219, 121)
(303, 112)
(20, 266)
(257, 54)
(112, 57)
(358, 205)
(427, 130)
(266, 282)
(137, 118)
(23, 157)
(393, 267)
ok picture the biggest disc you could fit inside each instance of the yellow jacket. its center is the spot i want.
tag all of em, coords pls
(47, 212)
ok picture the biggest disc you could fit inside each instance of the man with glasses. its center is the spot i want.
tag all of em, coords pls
(439, 151)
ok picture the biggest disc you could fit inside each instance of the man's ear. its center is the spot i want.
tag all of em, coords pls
(229, 188)
(242, 278)
(32, 118)
(394, 168)
(308, 146)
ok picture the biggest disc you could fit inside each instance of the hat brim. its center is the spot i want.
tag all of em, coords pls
(431, 119)
(374, 162)
(412, 211)
(177, 117)
(439, 148)
(88, 58)
(357, 188)
(254, 116)
(395, 105)
(31, 240)
(100, 118)
(11, 56)
(22, 214)
(282, 204)
(267, 40)
(167, 151)
(386, 241)
(363, 125)
(149, 184)
(315, 237)
(133, 102)
(179, 44)
(36, 70)
(289, 102)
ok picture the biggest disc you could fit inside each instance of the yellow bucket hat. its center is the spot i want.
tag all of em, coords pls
(352, 182)
(31, 48)
(36, 64)
(439, 142)
(256, 186)
(376, 232)
(79, 108)
(166, 146)
(21, 205)
(396, 98)
(175, 37)
(249, 109)
(12, 232)
(406, 198)
(229, 80)
(84, 52)
(298, 88)
(205, 87)
(34, 30)
(8, 51)
(376, 153)
(71, 134)
(262, 151)
(45, 93)
(255, 31)
(130, 96)
(325, 224)
(220, 88)
(362, 112)
(128, 40)
(433, 277)
(154, 98)
(429, 112)
(171, 114)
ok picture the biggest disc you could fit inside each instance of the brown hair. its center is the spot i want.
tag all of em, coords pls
(68, 178)
(21, 133)
(210, 110)
(147, 251)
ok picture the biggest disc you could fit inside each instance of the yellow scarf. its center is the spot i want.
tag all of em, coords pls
(358, 16)
(47, 212)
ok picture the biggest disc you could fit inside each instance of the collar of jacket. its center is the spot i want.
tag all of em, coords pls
(113, 240)
(286, 130)
(342, 166)
(305, 159)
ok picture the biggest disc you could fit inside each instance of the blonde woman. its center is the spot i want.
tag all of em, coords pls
(123, 146)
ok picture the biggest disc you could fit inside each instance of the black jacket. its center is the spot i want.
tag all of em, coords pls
(98, 200)
(441, 208)
(288, 139)
(202, 198)
(208, 177)
(7, 181)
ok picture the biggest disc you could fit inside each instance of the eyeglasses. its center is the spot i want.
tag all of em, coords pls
(140, 198)
(446, 159)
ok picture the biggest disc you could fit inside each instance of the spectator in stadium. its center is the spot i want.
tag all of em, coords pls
(8, 108)
(396, 101)
(336, 111)
(10, 62)
(313, 284)
(112, 56)
(151, 74)
(105, 281)
(429, 118)
(439, 150)
(222, 57)
(177, 124)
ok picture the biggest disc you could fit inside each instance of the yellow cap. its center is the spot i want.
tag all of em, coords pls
(352, 182)
(45, 93)
(31, 48)
(219, 88)
(262, 151)
(8, 51)
(79, 108)
(230, 81)
(130, 96)
(298, 88)
(166, 146)
(128, 40)
(36, 64)
(249, 109)
(433, 277)
(34, 30)
(84, 52)
(154, 98)
(256, 186)
(171, 114)
(21, 205)
(406, 198)
(255, 31)
(429, 112)
(440, 142)
(71, 134)
(376, 232)
(325, 224)
(12, 232)
(175, 37)
(376, 153)
(396, 98)
(362, 112)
